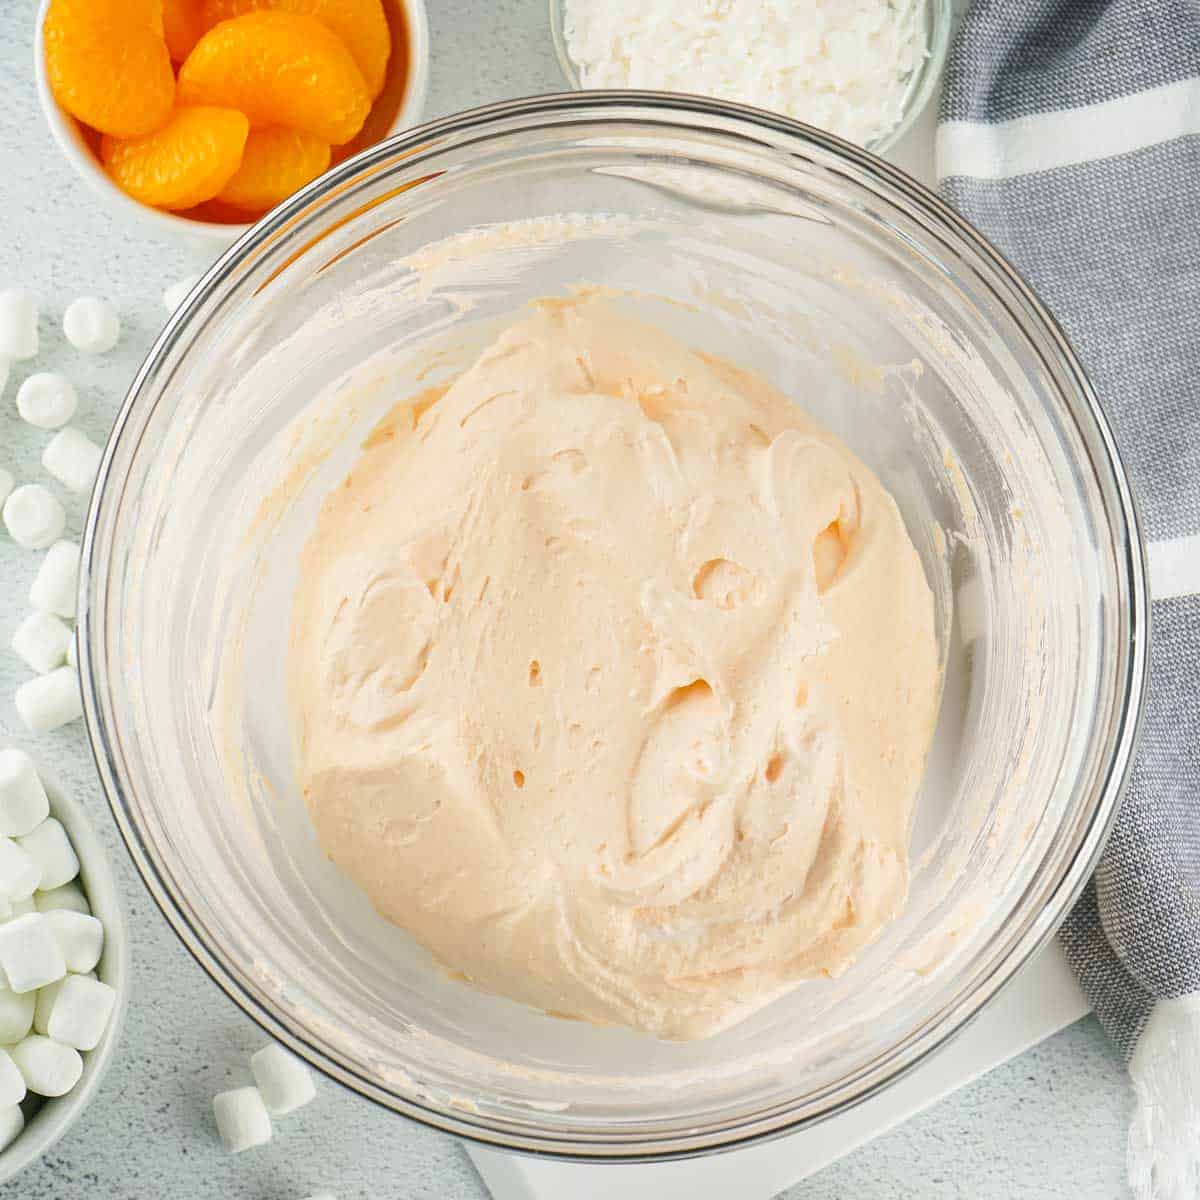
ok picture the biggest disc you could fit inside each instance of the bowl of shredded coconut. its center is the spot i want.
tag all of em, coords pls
(861, 71)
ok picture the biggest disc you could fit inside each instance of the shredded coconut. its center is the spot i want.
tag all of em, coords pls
(842, 65)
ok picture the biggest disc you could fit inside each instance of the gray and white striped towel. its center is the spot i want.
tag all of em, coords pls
(1070, 135)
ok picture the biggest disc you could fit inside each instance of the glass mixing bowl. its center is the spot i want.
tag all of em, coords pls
(864, 297)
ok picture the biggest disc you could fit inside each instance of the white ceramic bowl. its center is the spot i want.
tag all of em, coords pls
(52, 1118)
(212, 234)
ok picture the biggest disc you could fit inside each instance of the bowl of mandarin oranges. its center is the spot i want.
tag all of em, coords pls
(198, 116)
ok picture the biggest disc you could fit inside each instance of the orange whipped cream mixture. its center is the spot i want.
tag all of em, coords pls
(612, 677)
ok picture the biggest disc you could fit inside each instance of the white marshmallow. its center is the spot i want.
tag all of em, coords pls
(73, 459)
(41, 640)
(18, 908)
(73, 653)
(12, 1121)
(49, 701)
(45, 1003)
(47, 400)
(57, 581)
(49, 1068)
(19, 873)
(18, 324)
(7, 482)
(80, 937)
(49, 847)
(6, 909)
(16, 1016)
(23, 801)
(34, 516)
(68, 898)
(242, 1119)
(177, 293)
(81, 1012)
(91, 325)
(12, 1082)
(284, 1082)
(29, 954)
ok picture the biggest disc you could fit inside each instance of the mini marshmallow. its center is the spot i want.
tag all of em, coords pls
(49, 701)
(12, 1082)
(91, 325)
(242, 1119)
(41, 640)
(73, 653)
(47, 400)
(284, 1082)
(81, 1012)
(23, 801)
(68, 898)
(177, 293)
(30, 955)
(49, 1068)
(57, 581)
(73, 459)
(19, 873)
(34, 517)
(49, 847)
(80, 937)
(18, 324)
(12, 1121)
(16, 1016)
(7, 482)
(45, 1003)
(6, 909)
(18, 908)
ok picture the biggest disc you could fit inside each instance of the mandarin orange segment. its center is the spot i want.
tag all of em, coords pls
(275, 163)
(360, 24)
(107, 65)
(183, 26)
(279, 69)
(189, 160)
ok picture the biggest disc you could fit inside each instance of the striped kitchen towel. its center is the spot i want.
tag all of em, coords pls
(1070, 135)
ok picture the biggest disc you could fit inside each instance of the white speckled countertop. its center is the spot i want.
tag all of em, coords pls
(1049, 1124)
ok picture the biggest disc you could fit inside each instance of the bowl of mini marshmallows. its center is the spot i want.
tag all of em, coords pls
(64, 962)
(862, 72)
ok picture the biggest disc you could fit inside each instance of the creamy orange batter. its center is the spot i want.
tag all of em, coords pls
(612, 677)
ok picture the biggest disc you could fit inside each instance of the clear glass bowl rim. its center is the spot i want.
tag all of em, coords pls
(921, 86)
(780, 134)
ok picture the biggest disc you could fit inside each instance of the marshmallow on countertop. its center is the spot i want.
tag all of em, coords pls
(49, 1068)
(73, 459)
(41, 640)
(34, 516)
(50, 847)
(30, 955)
(80, 938)
(17, 1011)
(57, 581)
(242, 1119)
(18, 324)
(284, 1082)
(91, 325)
(47, 400)
(7, 483)
(81, 1011)
(177, 293)
(24, 804)
(49, 701)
